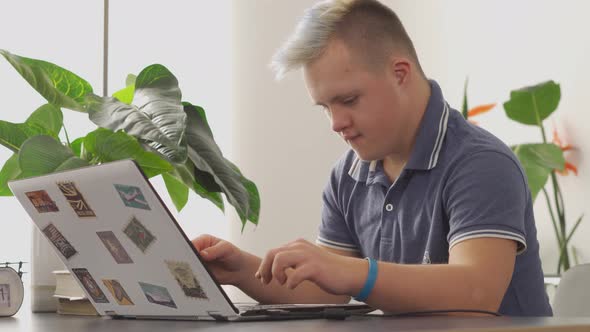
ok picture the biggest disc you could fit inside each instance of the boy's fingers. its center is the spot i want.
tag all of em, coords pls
(217, 251)
(203, 241)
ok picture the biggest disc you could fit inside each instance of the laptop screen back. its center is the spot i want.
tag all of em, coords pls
(121, 243)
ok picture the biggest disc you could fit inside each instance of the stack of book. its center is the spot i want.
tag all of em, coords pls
(71, 298)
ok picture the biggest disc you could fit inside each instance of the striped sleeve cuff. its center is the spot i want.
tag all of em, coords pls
(520, 240)
(336, 245)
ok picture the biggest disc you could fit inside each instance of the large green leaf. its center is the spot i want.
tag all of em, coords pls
(207, 157)
(42, 154)
(185, 173)
(58, 85)
(204, 178)
(532, 105)
(10, 171)
(177, 190)
(156, 117)
(105, 146)
(47, 119)
(12, 135)
(538, 161)
(253, 194)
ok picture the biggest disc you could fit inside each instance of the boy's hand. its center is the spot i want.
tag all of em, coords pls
(301, 260)
(224, 260)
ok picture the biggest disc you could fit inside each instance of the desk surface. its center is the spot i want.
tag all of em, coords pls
(26, 321)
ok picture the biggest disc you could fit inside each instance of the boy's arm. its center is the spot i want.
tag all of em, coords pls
(476, 277)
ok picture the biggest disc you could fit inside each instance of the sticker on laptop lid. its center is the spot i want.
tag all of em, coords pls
(76, 200)
(41, 201)
(118, 292)
(113, 245)
(186, 279)
(157, 295)
(90, 285)
(59, 241)
(132, 196)
(139, 234)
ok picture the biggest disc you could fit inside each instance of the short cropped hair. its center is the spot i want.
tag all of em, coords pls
(371, 30)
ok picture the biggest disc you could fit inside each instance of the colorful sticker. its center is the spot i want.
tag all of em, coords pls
(59, 241)
(90, 285)
(118, 292)
(41, 201)
(4, 295)
(157, 294)
(76, 200)
(114, 247)
(132, 196)
(139, 234)
(185, 277)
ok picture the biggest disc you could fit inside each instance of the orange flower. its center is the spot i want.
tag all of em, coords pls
(477, 110)
(566, 170)
(557, 141)
(480, 110)
(568, 166)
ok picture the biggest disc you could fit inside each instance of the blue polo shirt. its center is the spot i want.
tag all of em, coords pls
(460, 183)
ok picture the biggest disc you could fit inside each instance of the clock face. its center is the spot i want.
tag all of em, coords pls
(11, 291)
(4, 295)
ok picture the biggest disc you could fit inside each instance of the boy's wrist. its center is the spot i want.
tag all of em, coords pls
(245, 274)
(360, 270)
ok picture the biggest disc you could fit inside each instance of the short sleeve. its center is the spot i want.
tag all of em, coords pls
(333, 230)
(486, 195)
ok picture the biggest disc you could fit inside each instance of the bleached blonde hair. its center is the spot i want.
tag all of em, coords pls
(370, 29)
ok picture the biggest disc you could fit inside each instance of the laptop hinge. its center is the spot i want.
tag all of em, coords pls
(217, 316)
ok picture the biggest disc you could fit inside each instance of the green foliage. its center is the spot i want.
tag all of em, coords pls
(145, 121)
(531, 106)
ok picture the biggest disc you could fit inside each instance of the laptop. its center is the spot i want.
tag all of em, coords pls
(130, 256)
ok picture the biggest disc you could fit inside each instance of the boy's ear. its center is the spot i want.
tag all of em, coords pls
(400, 69)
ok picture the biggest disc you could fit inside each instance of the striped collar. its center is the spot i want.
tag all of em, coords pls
(429, 140)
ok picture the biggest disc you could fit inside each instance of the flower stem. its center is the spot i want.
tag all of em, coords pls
(552, 215)
(564, 261)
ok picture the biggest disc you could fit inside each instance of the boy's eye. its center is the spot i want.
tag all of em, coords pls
(350, 101)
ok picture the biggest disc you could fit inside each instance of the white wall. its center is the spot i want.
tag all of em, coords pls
(287, 147)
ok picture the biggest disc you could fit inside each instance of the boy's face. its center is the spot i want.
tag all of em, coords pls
(367, 109)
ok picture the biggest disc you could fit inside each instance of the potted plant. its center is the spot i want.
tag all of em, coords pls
(146, 121)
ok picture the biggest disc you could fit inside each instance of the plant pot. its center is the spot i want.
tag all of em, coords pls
(551, 282)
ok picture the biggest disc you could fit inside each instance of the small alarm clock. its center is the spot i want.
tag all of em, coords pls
(11, 291)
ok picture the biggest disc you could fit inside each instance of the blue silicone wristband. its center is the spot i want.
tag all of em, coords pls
(370, 283)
